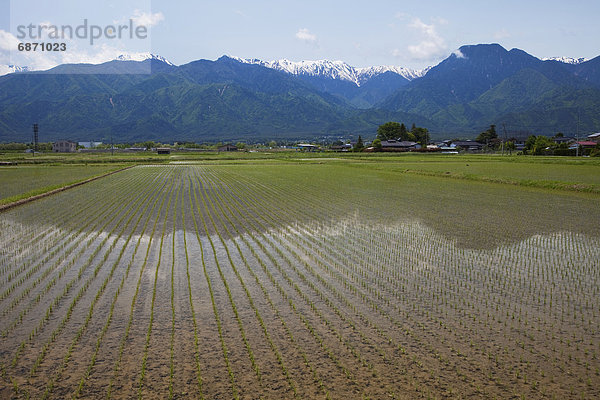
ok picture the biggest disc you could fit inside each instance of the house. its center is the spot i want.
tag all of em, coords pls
(468, 145)
(587, 144)
(227, 147)
(560, 140)
(594, 137)
(64, 146)
(394, 145)
(163, 150)
(307, 147)
(341, 147)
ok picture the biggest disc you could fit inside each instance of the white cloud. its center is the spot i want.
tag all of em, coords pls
(431, 45)
(240, 13)
(305, 35)
(8, 41)
(141, 18)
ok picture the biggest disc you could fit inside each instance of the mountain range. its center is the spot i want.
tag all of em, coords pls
(145, 97)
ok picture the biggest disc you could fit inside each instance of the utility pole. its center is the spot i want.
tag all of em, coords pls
(577, 135)
(505, 136)
(35, 138)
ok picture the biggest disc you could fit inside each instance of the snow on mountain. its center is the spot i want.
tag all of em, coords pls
(10, 69)
(333, 69)
(142, 57)
(566, 60)
(407, 73)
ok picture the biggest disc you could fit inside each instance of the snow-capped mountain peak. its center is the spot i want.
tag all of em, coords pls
(566, 60)
(338, 70)
(407, 73)
(142, 57)
(11, 69)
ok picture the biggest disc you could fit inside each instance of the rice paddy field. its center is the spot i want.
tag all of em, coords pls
(310, 279)
(24, 181)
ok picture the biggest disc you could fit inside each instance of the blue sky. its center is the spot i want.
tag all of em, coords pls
(378, 32)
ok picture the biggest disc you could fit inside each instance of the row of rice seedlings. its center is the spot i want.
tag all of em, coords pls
(51, 248)
(195, 202)
(87, 283)
(342, 317)
(158, 264)
(211, 200)
(204, 195)
(172, 344)
(100, 339)
(71, 238)
(44, 226)
(99, 293)
(332, 259)
(470, 305)
(21, 347)
(314, 372)
(52, 267)
(336, 257)
(319, 339)
(65, 292)
(123, 342)
(54, 219)
(191, 302)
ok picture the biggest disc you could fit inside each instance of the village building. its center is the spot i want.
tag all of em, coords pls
(228, 147)
(468, 145)
(594, 137)
(395, 145)
(307, 147)
(64, 146)
(561, 139)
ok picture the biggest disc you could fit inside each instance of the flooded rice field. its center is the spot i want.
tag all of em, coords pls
(219, 282)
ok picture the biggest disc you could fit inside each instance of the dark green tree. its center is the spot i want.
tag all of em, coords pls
(421, 135)
(403, 131)
(359, 146)
(510, 146)
(536, 145)
(390, 130)
(488, 136)
(148, 145)
(377, 145)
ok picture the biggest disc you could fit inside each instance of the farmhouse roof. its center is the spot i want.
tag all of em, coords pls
(395, 143)
(467, 143)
